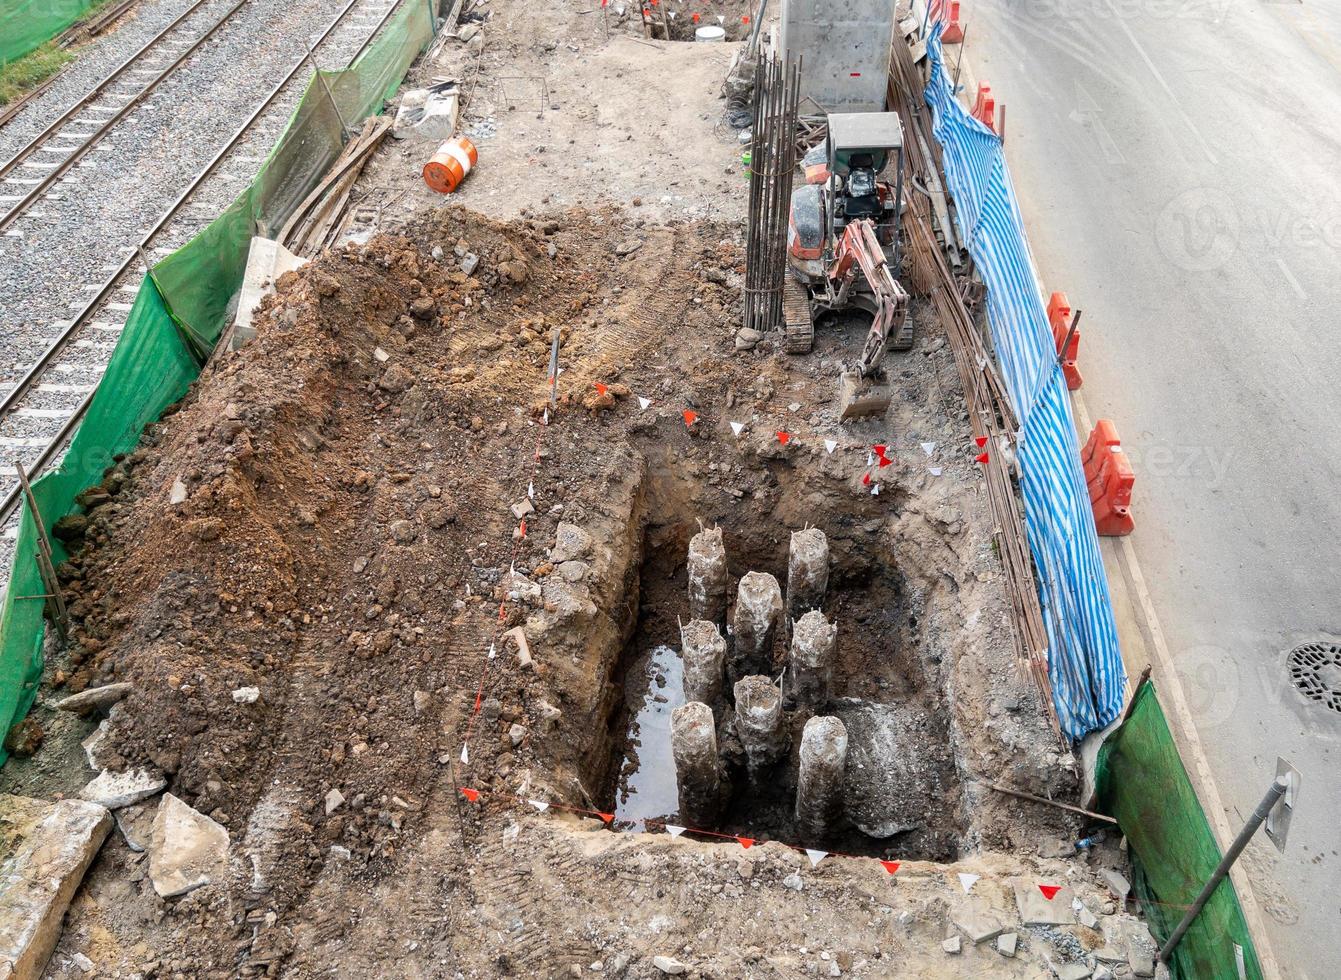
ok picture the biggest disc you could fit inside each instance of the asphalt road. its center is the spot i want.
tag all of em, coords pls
(1179, 165)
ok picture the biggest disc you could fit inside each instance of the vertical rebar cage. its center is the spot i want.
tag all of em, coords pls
(777, 88)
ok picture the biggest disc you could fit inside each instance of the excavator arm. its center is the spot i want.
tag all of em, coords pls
(860, 248)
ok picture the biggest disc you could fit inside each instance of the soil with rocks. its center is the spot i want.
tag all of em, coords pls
(347, 515)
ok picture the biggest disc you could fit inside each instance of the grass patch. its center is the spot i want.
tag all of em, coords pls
(22, 76)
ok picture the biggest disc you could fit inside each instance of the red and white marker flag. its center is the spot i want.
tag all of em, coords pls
(644, 402)
(830, 445)
(784, 437)
(1049, 891)
(928, 448)
(981, 441)
(967, 881)
(815, 856)
(935, 470)
(746, 842)
(471, 794)
(540, 805)
(737, 428)
(465, 755)
(981, 458)
(673, 830)
(600, 388)
(891, 866)
(690, 417)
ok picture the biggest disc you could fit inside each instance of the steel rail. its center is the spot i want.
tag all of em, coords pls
(95, 92)
(44, 458)
(16, 211)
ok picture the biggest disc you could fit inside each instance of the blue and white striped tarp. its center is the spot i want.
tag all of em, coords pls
(1084, 662)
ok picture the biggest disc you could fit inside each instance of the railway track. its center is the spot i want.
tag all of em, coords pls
(30, 174)
(43, 408)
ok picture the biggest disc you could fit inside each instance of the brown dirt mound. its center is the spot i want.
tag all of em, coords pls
(346, 543)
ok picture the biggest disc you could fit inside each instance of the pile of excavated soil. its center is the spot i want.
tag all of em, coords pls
(348, 513)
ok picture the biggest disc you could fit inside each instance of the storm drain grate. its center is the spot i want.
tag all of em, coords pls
(1315, 669)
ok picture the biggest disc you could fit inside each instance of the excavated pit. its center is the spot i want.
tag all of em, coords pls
(902, 792)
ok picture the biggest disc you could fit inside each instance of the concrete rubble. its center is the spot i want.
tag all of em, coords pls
(39, 878)
(187, 849)
(95, 698)
(118, 789)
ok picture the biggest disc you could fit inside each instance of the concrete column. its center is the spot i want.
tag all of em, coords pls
(755, 624)
(819, 783)
(810, 664)
(807, 571)
(707, 576)
(704, 653)
(698, 772)
(759, 722)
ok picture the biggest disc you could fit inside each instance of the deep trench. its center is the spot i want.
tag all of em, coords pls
(881, 660)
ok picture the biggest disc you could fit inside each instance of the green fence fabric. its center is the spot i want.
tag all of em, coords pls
(1142, 782)
(178, 316)
(28, 24)
(201, 278)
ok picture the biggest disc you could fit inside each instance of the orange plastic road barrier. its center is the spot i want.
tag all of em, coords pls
(954, 33)
(1059, 316)
(1103, 440)
(984, 107)
(448, 167)
(1111, 478)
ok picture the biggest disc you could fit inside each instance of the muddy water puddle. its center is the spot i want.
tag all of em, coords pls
(646, 788)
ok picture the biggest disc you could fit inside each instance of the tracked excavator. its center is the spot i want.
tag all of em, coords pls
(844, 220)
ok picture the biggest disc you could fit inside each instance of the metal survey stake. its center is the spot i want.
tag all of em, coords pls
(1070, 334)
(1287, 780)
(554, 369)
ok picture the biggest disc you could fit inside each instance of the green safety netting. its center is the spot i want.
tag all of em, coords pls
(1142, 782)
(28, 24)
(179, 314)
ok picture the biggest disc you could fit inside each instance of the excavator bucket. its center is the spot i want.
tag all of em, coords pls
(858, 396)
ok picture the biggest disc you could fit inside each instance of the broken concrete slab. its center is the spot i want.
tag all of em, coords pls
(94, 698)
(41, 875)
(951, 945)
(1071, 971)
(429, 113)
(977, 921)
(266, 261)
(98, 751)
(136, 824)
(1007, 944)
(186, 850)
(1036, 910)
(118, 789)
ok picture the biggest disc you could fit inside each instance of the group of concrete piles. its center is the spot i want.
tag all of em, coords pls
(745, 667)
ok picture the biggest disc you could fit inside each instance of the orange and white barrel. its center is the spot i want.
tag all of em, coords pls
(448, 167)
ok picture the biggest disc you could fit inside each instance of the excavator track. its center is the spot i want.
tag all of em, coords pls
(798, 320)
(902, 336)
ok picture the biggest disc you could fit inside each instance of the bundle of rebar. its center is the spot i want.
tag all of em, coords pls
(990, 411)
(773, 158)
